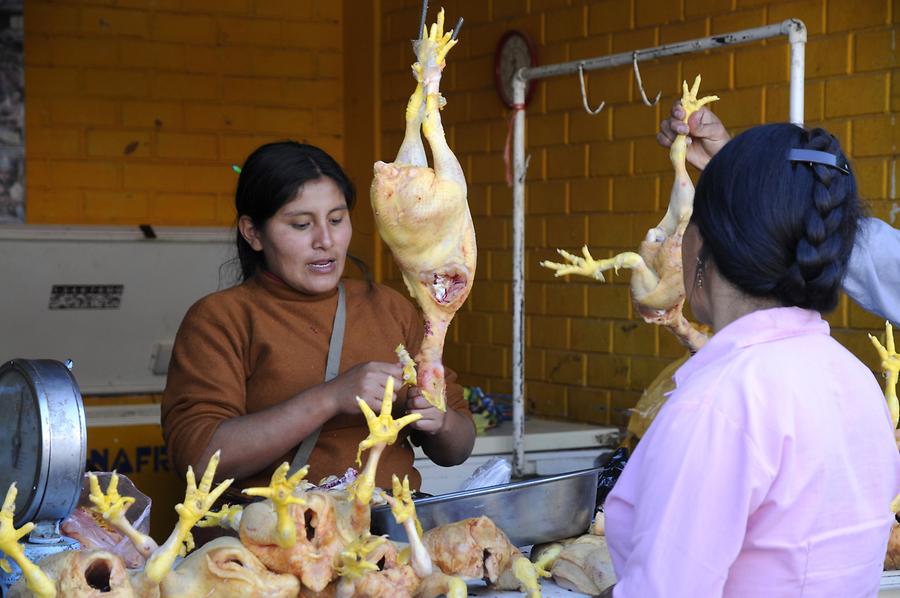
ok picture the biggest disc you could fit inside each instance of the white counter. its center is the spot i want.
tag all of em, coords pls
(551, 447)
(543, 435)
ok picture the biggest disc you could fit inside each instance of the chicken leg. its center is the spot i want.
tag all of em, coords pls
(383, 430)
(657, 287)
(197, 502)
(422, 213)
(36, 580)
(890, 366)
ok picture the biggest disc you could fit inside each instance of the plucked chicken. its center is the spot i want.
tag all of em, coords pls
(422, 213)
(657, 287)
(89, 573)
(477, 549)
(316, 534)
(85, 574)
(224, 568)
(583, 563)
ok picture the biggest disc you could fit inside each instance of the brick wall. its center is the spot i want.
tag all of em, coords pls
(603, 180)
(135, 109)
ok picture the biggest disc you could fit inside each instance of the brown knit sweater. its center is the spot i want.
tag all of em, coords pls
(252, 346)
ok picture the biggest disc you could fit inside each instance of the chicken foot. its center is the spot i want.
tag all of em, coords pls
(197, 502)
(112, 507)
(281, 492)
(404, 510)
(36, 580)
(383, 430)
(890, 367)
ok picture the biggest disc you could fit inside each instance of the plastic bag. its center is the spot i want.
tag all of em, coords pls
(493, 472)
(93, 532)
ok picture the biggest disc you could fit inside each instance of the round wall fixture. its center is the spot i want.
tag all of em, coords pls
(515, 50)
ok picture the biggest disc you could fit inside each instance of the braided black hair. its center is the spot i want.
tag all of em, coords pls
(777, 228)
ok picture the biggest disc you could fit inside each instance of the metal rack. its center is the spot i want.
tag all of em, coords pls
(795, 31)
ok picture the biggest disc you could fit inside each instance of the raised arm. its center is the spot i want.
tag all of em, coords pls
(873, 274)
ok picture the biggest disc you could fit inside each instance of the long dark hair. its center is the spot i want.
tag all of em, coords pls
(271, 177)
(779, 228)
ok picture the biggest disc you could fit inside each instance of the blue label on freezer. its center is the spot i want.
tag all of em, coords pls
(137, 460)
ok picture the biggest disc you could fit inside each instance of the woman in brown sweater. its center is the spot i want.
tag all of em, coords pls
(248, 366)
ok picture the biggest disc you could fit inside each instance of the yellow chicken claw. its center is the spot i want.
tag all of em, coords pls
(112, 507)
(36, 580)
(354, 563)
(197, 502)
(409, 365)
(383, 430)
(404, 510)
(229, 516)
(890, 366)
(588, 266)
(281, 492)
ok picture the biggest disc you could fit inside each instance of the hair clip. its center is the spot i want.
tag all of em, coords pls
(236, 168)
(817, 157)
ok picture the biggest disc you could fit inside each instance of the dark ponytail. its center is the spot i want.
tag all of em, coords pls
(779, 228)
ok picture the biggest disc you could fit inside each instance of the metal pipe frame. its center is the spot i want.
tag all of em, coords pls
(794, 29)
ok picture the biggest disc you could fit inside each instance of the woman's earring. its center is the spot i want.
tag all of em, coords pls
(699, 273)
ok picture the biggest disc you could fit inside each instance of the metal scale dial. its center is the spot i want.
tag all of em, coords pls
(43, 440)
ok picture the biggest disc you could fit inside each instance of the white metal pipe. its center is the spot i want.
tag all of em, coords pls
(518, 349)
(793, 28)
(686, 47)
(797, 37)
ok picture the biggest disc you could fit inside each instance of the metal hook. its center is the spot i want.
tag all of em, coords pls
(584, 99)
(640, 84)
(457, 28)
(422, 20)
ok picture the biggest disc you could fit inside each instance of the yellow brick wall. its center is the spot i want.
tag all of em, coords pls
(135, 109)
(604, 180)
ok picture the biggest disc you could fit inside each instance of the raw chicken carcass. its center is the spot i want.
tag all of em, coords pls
(583, 564)
(84, 574)
(477, 549)
(657, 286)
(303, 532)
(319, 538)
(422, 213)
(224, 568)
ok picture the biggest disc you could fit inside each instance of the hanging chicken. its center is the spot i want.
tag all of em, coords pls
(422, 213)
(657, 287)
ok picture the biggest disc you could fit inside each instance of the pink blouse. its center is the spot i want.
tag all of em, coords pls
(768, 473)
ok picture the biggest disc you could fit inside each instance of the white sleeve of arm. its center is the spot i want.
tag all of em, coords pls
(873, 274)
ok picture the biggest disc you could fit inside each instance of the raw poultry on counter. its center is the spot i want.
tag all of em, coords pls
(301, 540)
(657, 288)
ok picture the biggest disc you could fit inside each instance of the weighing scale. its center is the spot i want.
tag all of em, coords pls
(42, 449)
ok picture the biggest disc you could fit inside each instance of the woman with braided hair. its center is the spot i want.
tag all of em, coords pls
(770, 470)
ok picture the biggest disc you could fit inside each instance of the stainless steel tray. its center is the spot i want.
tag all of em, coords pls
(530, 512)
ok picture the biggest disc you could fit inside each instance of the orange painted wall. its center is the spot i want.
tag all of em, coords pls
(135, 109)
(604, 181)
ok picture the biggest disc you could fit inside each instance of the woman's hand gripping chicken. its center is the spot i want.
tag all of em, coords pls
(422, 213)
(657, 288)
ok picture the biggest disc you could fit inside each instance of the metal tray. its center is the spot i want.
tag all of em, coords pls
(530, 512)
